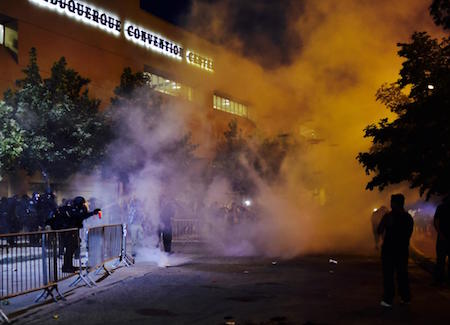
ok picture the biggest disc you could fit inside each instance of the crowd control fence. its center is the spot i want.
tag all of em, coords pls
(104, 244)
(34, 261)
(188, 230)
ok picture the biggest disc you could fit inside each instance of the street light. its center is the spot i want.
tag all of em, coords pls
(431, 87)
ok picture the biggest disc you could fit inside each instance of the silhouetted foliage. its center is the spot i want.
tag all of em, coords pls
(415, 147)
(440, 11)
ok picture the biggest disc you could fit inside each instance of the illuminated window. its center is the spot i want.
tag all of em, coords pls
(9, 35)
(229, 106)
(2, 34)
(169, 87)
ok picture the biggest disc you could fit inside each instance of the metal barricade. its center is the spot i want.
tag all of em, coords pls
(104, 244)
(187, 230)
(34, 261)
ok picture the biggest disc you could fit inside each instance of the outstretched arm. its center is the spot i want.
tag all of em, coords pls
(90, 214)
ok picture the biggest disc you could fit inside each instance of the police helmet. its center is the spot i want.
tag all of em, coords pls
(78, 201)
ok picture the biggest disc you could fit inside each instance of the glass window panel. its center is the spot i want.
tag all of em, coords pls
(229, 106)
(170, 87)
(2, 33)
(11, 39)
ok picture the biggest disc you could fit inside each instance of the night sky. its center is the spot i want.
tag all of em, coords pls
(262, 27)
(174, 11)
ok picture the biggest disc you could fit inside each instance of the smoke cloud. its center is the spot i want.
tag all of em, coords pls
(324, 97)
(318, 84)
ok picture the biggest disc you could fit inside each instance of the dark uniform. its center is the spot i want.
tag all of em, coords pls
(442, 225)
(165, 217)
(3, 215)
(12, 220)
(34, 222)
(67, 217)
(23, 213)
(46, 206)
(397, 227)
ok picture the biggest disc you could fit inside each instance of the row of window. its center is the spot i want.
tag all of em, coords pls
(173, 88)
(169, 87)
(229, 106)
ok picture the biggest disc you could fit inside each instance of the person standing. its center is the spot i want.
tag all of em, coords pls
(167, 212)
(396, 227)
(442, 225)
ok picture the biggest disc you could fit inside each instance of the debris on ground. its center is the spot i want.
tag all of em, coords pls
(55, 316)
(245, 272)
(274, 263)
(333, 261)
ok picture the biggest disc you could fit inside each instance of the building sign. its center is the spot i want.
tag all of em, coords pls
(153, 41)
(199, 61)
(84, 12)
(110, 23)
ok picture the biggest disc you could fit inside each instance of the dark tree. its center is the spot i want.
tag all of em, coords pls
(136, 112)
(415, 147)
(233, 160)
(440, 11)
(241, 159)
(271, 154)
(63, 129)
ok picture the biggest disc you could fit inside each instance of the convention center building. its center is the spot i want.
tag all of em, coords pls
(99, 38)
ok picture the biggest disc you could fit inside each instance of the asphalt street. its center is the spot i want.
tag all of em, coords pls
(225, 290)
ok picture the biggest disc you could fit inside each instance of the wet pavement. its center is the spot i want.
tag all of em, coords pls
(225, 290)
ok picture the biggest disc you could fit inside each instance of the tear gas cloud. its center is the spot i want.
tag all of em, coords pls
(326, 95)
(323, 96)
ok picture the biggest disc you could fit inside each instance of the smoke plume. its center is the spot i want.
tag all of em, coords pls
(317, 84)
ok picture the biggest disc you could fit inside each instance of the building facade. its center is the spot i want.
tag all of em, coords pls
(99, 38)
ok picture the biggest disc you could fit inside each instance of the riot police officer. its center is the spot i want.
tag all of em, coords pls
(46, 207)
(3, 215)
(67, 217)
(23, 213)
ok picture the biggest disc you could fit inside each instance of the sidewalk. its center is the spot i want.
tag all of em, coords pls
(25, 304)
